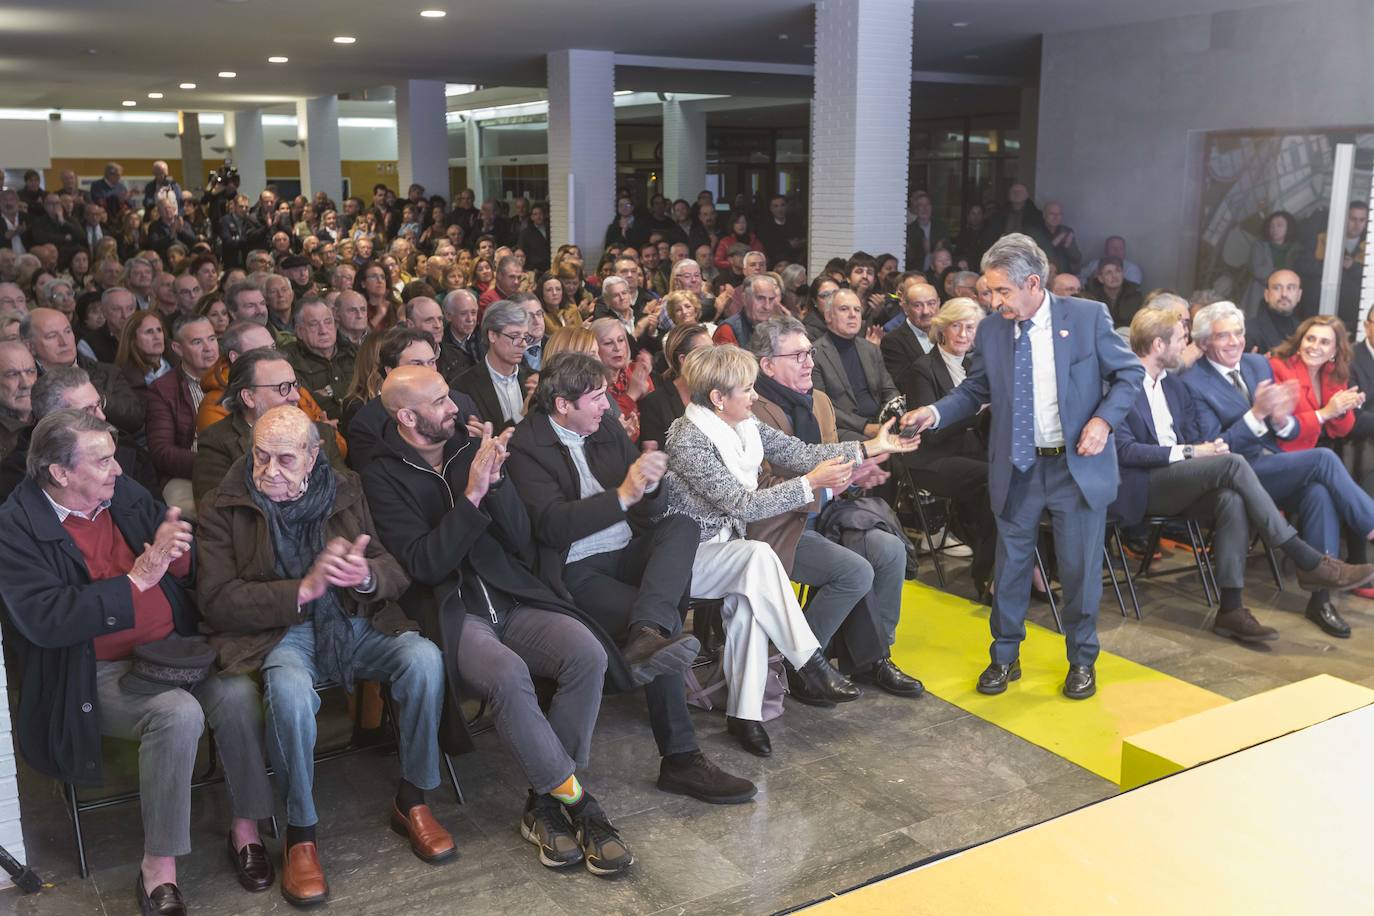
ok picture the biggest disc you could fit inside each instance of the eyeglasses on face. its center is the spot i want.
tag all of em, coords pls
(525, 339)
(802, 357)
(283, 388)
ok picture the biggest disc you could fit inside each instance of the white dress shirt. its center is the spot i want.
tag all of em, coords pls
(611, 538)
(508, 393)
(1049, 431)
(1163, 417)
(921, 337)
(1256, 425)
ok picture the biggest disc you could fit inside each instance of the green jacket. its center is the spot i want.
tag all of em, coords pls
(327, 379)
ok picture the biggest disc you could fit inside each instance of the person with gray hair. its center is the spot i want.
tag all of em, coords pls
(18, 372)
(118, 305)
(1058, 379)
(96, 570)
(461, 346)
(498, 383)
(761, 299)
(324, 363)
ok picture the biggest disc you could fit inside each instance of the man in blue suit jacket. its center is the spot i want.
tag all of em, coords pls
(1058, 379)
(1237, 401)
(1168, 468)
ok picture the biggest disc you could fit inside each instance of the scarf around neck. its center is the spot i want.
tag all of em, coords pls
(800, 408)
(739, 446)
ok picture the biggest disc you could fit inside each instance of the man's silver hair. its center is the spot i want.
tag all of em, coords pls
(1210, 315)
(1019, 256)
(612, 279)
(747, 287)
(452, 299)
(504, 314)
(767, 334)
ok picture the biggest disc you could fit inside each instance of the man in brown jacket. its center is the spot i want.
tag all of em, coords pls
(855, 596)
(293, 582)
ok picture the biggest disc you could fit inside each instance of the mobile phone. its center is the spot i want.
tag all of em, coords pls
(909, 432)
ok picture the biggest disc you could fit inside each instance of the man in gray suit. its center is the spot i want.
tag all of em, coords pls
(849, 368)
(1044, 371)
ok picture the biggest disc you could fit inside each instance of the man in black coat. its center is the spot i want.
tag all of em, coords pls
(591, 499)
(81, 601)
(442, 507)
(50, 226)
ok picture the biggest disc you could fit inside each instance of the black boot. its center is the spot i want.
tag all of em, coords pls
(816, 683)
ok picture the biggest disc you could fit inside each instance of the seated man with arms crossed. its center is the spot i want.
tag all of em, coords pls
(1168, 469)
(292, 583)
(446, 511)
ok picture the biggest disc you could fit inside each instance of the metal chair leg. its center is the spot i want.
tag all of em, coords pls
(1195, 538)
(1049, 591)
(74, 807)
(1126, 569)
(453, 778)
(1151, 545)
(925, 529)
(1111, 571)
(1205, 541)
(1274, 566)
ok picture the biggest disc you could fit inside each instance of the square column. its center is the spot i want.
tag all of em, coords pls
(860, 129)
(192, 166)
(581, 148)
(684, 151)
(317, 128)
(421, 136)
(243, 136)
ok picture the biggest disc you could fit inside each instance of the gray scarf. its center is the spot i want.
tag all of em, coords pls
(296, 529)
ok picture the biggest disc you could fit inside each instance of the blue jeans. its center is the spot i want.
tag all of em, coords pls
(412, 666)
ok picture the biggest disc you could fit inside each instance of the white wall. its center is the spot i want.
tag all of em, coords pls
(1123, 110)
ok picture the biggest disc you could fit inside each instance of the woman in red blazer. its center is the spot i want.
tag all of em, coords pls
(1318, 357)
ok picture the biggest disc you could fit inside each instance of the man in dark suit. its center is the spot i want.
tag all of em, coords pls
(1045, 374)
(461, 347)
(1238, 402)
(497, 383)
(50, 226)
(849, 368)
(592, 498)
(1167, 468)
(910, 340)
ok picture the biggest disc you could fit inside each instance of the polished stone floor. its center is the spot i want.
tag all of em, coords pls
(848, 795)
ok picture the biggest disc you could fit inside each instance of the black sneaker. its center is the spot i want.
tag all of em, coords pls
(704, 781)
(546, 825)
(603, 851)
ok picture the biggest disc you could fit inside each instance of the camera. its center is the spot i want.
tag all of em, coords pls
(224, 174)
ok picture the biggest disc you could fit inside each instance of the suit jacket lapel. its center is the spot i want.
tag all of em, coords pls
(943, 380)
(1142, 407)
(1063, 351)
(835, 369)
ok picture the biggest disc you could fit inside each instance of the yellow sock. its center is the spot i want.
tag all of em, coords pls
(570, 792)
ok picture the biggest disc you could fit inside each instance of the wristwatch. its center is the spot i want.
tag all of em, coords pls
(1187, 452)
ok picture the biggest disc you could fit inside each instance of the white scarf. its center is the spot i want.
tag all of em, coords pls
(739, 446)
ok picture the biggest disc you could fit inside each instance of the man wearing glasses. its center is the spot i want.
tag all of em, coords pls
(258, 381)
(497, 383)
(857, 594)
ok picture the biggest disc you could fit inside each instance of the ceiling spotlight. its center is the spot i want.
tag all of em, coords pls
(227, 74)
(434, 14)
(129, 103)
(960, 25)
(276, 60)
(155, 95)
(187, 86)
(782, 36)
(344, 39)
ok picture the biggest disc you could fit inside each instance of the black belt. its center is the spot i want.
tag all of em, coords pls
(1049, 452)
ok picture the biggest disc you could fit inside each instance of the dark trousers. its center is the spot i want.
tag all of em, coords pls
(1316, 491)
(965, 482)
(1047, 486)
(646, 581)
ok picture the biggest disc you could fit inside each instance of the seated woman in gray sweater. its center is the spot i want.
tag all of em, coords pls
(715, 451)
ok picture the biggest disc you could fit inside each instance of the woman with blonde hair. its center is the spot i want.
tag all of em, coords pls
(683, 307)
(715, 452)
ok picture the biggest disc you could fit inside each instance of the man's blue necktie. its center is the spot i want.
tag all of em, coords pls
(1022, 401)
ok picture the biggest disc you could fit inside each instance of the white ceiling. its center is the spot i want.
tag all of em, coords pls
(96, 53)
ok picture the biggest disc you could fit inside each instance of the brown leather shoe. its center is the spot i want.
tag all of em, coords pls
(302, 879)
(428, 838)
(1335, 575)
(649, 654)
(1241, 624)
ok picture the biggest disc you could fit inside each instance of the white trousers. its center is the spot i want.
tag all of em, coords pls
(760, 607)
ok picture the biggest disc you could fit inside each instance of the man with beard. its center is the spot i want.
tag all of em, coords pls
(1276, 321)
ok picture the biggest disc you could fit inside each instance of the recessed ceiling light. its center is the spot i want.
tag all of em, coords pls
(434, 14)
(129, 103)
(187, 86)
(960, 25)
(155, 95)
(227, 74)
(344, 39)
(783, 36)
(276, 60)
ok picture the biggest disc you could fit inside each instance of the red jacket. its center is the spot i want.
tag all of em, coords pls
(723, 249)
(171, 426)
(1310, 428)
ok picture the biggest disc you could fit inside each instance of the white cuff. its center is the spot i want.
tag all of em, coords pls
(937, 417)
(1175, 453)
(1289, 429)
(1256, 425)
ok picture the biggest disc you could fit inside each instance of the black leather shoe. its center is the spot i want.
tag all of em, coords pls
(1329, 619)
(751, 736)
(252, 866)
(816, 683)
(165, 900)
(886, 676)
(1081, 682)
(698, 777)
(995, 677)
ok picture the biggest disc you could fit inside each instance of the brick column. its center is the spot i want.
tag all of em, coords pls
(317, 127)
(581, 148)
(684, 151)
(421, 136)
(860, 128)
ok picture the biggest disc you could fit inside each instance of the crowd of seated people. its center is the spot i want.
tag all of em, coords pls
(413, 443)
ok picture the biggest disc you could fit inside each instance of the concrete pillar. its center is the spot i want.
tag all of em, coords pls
(473, 144)
(192, 165)
(243, 136)
(317, 127)
(1030, 127)
(421, 136)
(581, 148)
(860, 128)
(684, 151)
